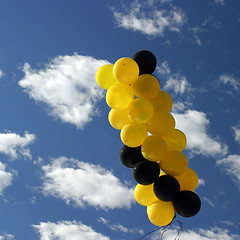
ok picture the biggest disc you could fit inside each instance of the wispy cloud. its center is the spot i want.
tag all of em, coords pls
(230, 80)
(195, 126)
(84, 184)
(16, 146)
(120, 227)
(67, 86)
(231, 166)
(1, 73)
(174, 81)
(70, 230)
(221, 2)
(236, 130)
(150, 19)
(198, 234)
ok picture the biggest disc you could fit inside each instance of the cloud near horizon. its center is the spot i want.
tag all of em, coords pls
(67, 230)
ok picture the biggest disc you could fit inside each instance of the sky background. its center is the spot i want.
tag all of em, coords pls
(60, 173)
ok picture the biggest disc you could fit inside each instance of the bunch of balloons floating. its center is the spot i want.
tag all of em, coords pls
(152, 145)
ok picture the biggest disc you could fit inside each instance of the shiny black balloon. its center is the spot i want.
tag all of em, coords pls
(146, 61)
(146, 172)
(130, 156)
(187, 203)
(166, 188)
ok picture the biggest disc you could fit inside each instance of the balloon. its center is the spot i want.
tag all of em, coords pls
(166, 188)
(146, 61)
(162, 102)
(176, 141)
(146, 86)
(146, 172)
(125, 70)
(130, 156)
(188, 180)
(140, 110)
(160, 213)
(119, 96)
(174, 163)
(161, 123)
(187, 203)
(104, 76)
(154, 148)
(144, 194)
(118, 118)
(133, 134)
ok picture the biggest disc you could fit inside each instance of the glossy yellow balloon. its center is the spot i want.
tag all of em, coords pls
(140, 110)
(133, 134)
(161, 123)
(154, 148)
(176, 141)
(126, 70)
(118, 118)
(146, 86)
(174, 163)
(160, 213)
(104, 76)
(162, 102)
(144, 194)
(119, 96)
(188, 180)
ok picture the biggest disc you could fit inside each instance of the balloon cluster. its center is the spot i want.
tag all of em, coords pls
(152, 145)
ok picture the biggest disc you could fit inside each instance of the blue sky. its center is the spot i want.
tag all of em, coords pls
(60, 173)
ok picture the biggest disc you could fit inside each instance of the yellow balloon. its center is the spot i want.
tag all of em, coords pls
(118, 118)
(133, 134)
(188, 180)
(161, 123)
(146, 86)
(126, 70)
(174, 163)
(162, 102)
(140, 110)
(160, 213)
(176, 141)
(104, 76)
(119, 96)
(154, 148)
(144, 194)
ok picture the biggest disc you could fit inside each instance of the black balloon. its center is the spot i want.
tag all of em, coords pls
(146, 61)
(187, 203)
(130, 156)
(166, 188)
(146, 172)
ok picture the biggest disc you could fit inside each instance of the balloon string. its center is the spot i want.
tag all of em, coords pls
(165, 228)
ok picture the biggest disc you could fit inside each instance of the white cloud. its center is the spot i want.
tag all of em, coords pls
(200, 234)
(210, 202)
(146, 18)
(194, 125)
(67, 85)
(174, 81)
(201, 182)
(120, 227)
(84, 184)
(1, 75)
(231, 166)
(228, 79)
(221, 2)
(7, 237)
(16, 146)
(236, 130)
(67, 230)
(6, 178)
